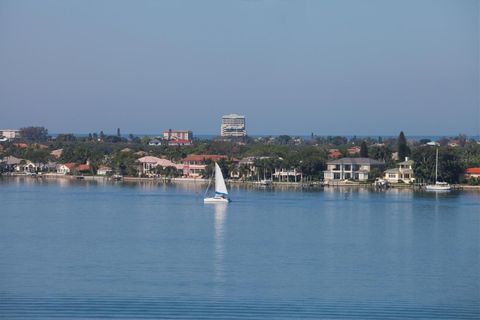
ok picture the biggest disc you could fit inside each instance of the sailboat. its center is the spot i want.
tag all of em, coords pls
(438, 186)
(221, 192)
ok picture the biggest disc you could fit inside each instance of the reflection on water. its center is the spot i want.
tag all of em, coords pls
(220, 211)
(98, 249)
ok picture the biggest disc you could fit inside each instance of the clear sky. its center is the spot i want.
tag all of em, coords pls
(371, 67)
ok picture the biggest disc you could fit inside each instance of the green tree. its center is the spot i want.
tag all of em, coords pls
(375, 173)
(449, 164)
(402, 147)
(283, 139)
(34, 133)
(66, 137)
(363, 150)
(124, 163)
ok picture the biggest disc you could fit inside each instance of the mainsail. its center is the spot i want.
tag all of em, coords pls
(220, 187)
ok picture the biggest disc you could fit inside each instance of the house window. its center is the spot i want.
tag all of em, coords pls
(392, 175)
(406, 176)
(348, 167)
(348, 175)
(336, 176)
(356, 176)
(337, 167)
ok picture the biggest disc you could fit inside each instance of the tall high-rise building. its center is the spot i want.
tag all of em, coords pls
(233, 125)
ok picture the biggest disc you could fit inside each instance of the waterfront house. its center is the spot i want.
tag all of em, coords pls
(83, 168)
(351, 169)
(472, 173)
(194, 165)
(73, 168)
(9, 163)
(104, 170)
(287, 175)
(28, 166)
(66, 168)
(402, 173)
(148, 164)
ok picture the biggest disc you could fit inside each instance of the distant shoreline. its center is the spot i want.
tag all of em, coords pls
(201, 181)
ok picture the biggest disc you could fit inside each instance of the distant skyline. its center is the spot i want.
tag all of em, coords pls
(348, 67)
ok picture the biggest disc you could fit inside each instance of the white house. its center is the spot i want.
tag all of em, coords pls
(103, 170)
(403, 172)
(29, 167)
(283, 174)
(65, 168)
(351, 169)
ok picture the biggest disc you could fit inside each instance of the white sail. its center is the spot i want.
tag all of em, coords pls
(220, 187)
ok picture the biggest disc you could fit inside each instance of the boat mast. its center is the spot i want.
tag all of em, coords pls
(436, 167)
(208, 187)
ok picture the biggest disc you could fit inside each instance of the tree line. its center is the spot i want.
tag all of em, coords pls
(308, 156)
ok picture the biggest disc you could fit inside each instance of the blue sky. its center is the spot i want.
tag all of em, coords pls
(371, 67)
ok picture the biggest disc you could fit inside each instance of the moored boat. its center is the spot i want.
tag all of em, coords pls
(439, 185)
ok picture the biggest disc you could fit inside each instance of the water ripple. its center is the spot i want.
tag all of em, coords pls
(188, 308)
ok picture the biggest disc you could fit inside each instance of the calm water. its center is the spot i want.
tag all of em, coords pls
(94, 250)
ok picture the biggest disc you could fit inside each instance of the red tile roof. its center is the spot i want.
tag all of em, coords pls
(334, 153)
(472, 170)
(70, 165)
(83, 167)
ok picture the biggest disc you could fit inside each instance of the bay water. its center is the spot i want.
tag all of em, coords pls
(90, 250)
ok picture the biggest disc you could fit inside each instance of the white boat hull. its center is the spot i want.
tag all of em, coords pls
(437, 188)
(216, 200)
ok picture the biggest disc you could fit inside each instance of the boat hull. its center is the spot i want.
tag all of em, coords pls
(216, 200)
(438, 188)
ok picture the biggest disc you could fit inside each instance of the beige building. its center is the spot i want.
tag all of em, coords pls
(178, 135)
(10, 133)
(148, 164)
(403, 173)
